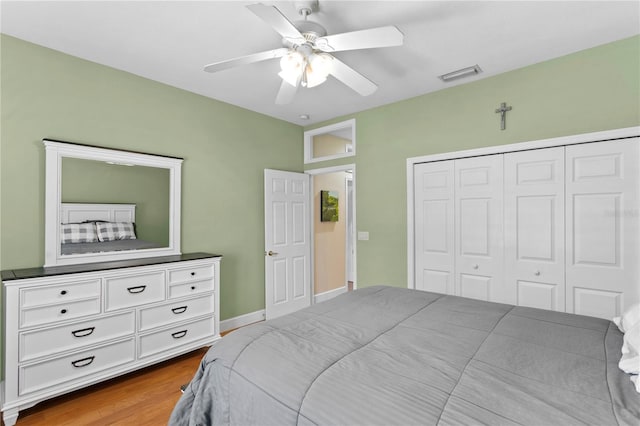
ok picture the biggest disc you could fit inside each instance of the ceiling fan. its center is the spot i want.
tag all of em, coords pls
(305, 59)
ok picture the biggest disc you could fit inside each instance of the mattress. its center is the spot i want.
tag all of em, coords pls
(391, 356)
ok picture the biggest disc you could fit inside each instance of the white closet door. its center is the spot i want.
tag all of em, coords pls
(602, 227)
(479, 228)
(434, 247)
(534, 228)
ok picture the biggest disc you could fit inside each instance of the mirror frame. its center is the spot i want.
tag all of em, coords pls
(55, 151)
(308, 141)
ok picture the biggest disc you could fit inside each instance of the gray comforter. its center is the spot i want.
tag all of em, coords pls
(390, 356)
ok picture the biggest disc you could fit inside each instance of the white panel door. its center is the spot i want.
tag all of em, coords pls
(287, 242)
(534, 228)
(434, 227)
(602, 205)
(479, 228)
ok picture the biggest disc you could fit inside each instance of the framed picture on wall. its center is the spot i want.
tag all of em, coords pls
(329, 206)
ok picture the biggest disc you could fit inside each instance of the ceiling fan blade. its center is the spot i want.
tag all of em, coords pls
(244, 60)
(364, 39)
(286, 93)
(352, 78)
(272, 16)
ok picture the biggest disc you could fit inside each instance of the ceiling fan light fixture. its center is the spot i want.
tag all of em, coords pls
(321, 63)
(310, 80)
(303, 60)
(317, 69)
(291, 78)
(461, 73)
(292, 65)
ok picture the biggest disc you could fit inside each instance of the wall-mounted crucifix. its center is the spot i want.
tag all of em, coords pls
(503, 114)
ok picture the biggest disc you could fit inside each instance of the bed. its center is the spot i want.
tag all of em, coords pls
(98, 228)
(391, 356)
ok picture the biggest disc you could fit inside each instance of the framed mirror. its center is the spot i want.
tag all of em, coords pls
(330, 142)
(106, 205)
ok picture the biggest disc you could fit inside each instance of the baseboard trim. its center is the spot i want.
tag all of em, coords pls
(321, 297)
(242, 320)
(251, 317)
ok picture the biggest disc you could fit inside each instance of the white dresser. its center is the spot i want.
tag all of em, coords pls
(68, 327)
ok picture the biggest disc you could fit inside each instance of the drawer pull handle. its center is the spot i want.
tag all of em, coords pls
(83, 362)
(63, 292)
(137, 289)
(193, 274)
(193, 287)
(84, 332)
(179, 334)
(179, 310)
(63, 311)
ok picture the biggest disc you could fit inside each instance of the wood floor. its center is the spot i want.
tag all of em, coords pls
(142, 398)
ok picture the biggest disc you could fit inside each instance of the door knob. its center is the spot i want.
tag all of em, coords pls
(475, 266)
(270, 253)
(536, 273)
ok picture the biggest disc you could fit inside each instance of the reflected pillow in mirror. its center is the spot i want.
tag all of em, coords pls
(113, 231)
(78, 233)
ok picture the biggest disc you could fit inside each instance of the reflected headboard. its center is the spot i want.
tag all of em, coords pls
(80, 212)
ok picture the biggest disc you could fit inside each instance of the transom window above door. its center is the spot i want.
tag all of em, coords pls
(330, 142)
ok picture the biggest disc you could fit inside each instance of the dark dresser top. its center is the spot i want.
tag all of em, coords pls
(18, 274)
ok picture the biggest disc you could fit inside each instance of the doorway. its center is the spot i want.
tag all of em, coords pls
(333, 246)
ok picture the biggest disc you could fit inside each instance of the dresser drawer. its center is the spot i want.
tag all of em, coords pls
(52, 372)
(175, 312)
(164, 340)
(50, 294)
(50, 341)
(195, 273)
(134, 290)
(60, 312)
(196, 287)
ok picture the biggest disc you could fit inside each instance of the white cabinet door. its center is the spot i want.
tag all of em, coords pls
(287, 242)
(602, 227)
(534, 228)
(434, 224)
(479, 228)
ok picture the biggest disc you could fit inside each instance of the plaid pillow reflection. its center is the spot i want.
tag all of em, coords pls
(112, 231)
(78, 233)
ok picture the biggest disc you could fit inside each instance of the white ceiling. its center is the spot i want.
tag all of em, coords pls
(171, 41)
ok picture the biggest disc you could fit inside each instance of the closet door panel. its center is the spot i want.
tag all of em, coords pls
(434, 252)
(475, 286)
(602, 204)
(534, 228)
(479, 229)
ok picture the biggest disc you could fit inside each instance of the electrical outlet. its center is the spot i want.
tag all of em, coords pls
(363, 235)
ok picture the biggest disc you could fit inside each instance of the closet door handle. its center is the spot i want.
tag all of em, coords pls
(84, 332)
(179, 334)
(136, 289)
(83, 362)
(179, 310)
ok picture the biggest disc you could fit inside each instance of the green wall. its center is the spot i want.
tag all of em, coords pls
(47, 94)
(592, 90)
